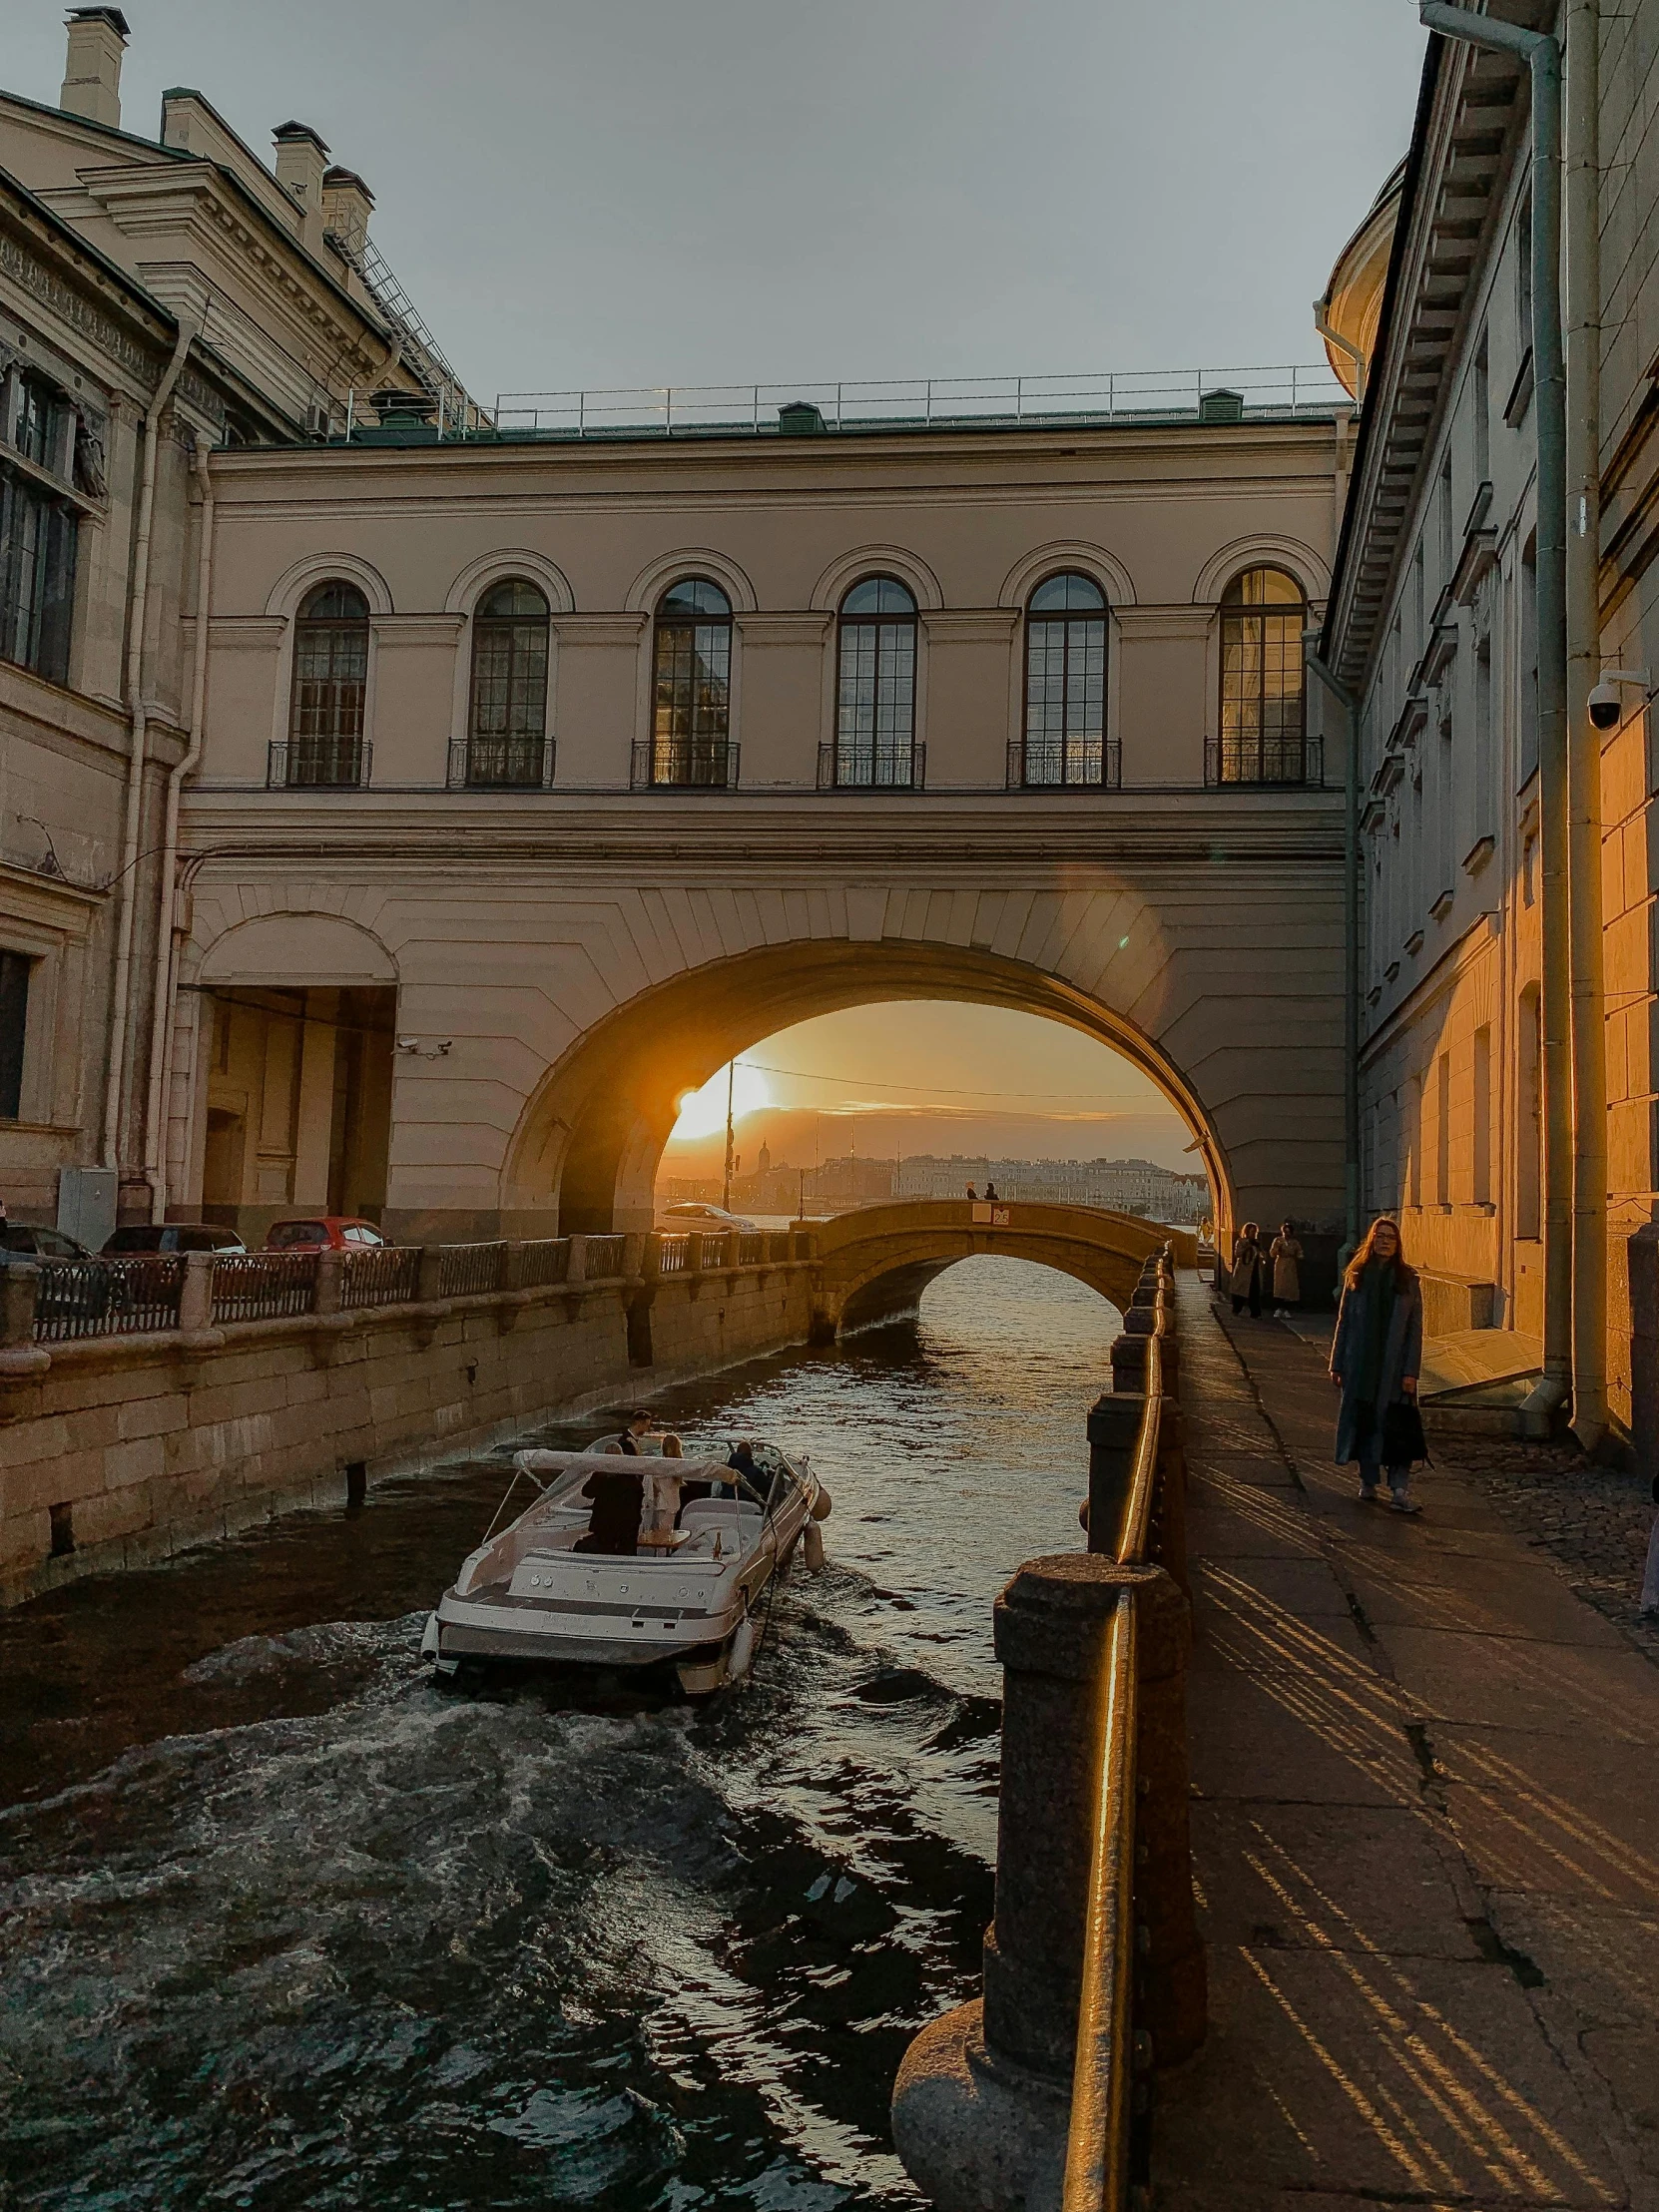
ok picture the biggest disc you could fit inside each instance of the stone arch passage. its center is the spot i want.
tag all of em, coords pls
(590, 1138)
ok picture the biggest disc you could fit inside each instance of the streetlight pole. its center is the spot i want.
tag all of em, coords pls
(730, 1079)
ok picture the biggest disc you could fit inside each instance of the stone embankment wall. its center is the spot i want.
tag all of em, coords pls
(120, 1448)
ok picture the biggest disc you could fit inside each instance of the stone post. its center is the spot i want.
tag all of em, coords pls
(576, 1266)
(330, 1280)
(1129, 1363)
(195, 1294)
(1114, 1423)
(512, 1265)
(19, 1289)
(633, 1253)
(428, 1283)
(693, 1251)
(982, 2101)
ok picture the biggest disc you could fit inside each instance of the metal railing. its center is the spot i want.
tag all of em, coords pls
(1270, 764)
(388, 1276)
(491, 763)
(605, 1257)
(1074, 764)
(865, 768)
(470, 1270)
(264, 1286)
(771, 410)
(1098, 2137)
(310, 764)
(684, 764)
(126, 1297)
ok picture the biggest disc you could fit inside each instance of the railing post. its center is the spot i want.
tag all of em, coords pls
(1174, 1989)
(430, 1282)
(1114, 1423)
(331, 1280)
(19, 1290)
(576, 1263)
(633, 1254)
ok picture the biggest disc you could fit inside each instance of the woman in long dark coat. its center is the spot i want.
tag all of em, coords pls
(1375, 1357)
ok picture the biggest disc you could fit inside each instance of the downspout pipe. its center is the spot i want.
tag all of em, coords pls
(164, 991)
(1322, 328)
(1582, 212)
(1351, 947)
(1543, 55)
(137, 607)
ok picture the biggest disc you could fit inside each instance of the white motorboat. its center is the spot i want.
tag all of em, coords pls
(681, 1579)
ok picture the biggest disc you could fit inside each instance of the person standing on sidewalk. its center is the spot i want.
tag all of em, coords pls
(1246, 1281)
(1285, 1255)
(1375, 1360)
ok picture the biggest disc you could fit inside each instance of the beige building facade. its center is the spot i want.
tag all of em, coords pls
(1433, 624)
(776, 745)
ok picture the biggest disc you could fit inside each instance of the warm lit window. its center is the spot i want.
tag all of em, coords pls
(1065, 685)
(1263, 718)
(507, 744)
(691, 729)
(325, 747)
(875, 717)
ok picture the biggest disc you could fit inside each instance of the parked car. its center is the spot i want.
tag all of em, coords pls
(20, 1240)
(171, 1236)
(323, 1233)
(696, 1213)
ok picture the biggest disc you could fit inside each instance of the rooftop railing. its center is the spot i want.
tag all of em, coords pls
(810, 408)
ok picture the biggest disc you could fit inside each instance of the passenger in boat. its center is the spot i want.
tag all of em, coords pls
(618, 1504)
(742, 1464)
(633, 1436)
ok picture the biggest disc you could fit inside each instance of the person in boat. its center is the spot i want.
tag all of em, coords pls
(633, 1436)
(618, 1509)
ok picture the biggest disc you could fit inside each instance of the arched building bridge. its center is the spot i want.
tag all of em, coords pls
(874, 1263)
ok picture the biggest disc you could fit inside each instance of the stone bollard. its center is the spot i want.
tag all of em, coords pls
(195, 1296)
(1168, 1546)
(330, 1270)
(633, 1253)
(1129, 1363)
(19, 1353)
(693, 1251)
(1114, 1423)
(430, 1277)
(576, 1261)
(982, 2102)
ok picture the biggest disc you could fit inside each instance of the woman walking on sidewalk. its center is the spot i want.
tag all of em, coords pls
(1374, 1363)
(1285, 1255)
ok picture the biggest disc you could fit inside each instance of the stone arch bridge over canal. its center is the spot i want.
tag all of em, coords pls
(876, 1262)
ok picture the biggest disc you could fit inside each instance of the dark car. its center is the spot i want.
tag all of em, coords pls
(66, 1303)
(171, 1236)
(20, 1240)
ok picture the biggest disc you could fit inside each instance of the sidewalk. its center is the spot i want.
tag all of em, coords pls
(1425, 1825)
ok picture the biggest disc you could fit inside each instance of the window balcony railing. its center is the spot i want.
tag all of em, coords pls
(872, 768)
(1076, 765)
(502, 763)
(1258, 763)
(319, 763)
(684, 765)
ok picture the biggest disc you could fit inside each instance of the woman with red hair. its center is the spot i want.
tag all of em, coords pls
(1374, 1362)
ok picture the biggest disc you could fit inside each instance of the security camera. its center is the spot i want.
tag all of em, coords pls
(1607, 706)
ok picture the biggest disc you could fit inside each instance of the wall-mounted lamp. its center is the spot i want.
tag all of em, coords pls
(438, 1049)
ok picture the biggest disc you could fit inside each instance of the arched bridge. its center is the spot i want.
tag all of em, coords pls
(874, 1264)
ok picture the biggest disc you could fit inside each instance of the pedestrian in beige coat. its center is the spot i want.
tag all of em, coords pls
(1246, 1280)
(1285, 1255)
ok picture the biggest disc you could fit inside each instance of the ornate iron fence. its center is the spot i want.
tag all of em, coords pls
(672, 1252)
(604, 1256)
(545, 1259)
(388, 1276)
(106, 1298)
(752, 1248)
(264, 1286)
(470, 1270)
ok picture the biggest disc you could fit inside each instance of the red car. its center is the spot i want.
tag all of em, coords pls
(323, 1233)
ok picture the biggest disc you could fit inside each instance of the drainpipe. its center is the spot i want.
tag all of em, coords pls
(1351, 948)
(1322, 328)
(1582, 208)
(164, 989)
(138, 605)
(1542, 53)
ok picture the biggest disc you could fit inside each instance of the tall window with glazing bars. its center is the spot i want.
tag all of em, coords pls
(1064, 739)
(690, 747)
(37, 531)
(875, 692)
(508, 747)
(326, 747)
(1264, 731)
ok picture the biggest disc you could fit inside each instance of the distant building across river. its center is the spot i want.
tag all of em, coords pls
(1120, 1185)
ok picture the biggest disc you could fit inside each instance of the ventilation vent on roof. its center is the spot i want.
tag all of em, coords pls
(1221, 406)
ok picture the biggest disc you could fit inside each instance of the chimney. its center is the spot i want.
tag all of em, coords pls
(302, 158)
(92, 73)
(347, 204)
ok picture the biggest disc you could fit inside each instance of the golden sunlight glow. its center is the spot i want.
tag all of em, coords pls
(703, 1113)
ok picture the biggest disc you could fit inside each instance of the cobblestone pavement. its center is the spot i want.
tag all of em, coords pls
(1590, 1523)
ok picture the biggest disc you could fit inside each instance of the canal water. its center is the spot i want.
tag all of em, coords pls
(284, 1923)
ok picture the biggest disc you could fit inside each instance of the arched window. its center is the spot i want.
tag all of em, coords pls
(507, 747)
(875, 720)
(1263, 707)
(1065, 686)
(326, 747)
(690, 730)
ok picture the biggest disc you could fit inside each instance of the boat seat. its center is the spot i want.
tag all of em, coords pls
(718, 1512)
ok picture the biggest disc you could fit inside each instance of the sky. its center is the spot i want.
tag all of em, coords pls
(922, 1076)
(616, 193)
(626, 193)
